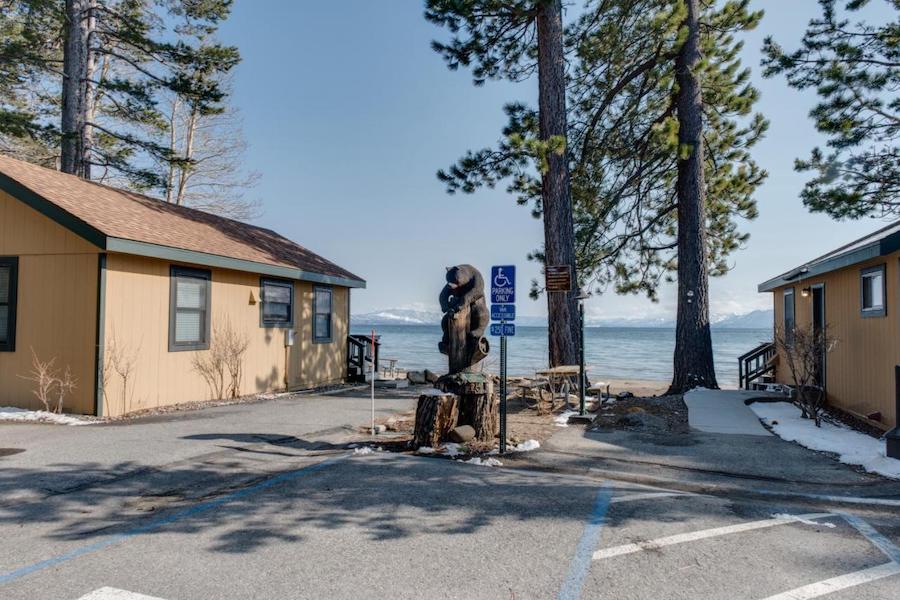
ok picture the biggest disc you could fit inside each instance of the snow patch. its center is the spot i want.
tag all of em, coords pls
(852, 447)
(452, 449)
(562, 419)
(21, 415)
(363, 450)
(425, 450)
(527, 446)
(484, 462)
(432, 392)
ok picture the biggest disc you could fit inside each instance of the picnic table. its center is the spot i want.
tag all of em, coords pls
(562, 379)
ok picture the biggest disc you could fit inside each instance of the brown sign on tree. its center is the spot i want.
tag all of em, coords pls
(559, 278)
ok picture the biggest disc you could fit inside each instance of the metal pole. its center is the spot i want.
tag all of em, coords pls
(502, 388)
(373, 382)
(581, 358)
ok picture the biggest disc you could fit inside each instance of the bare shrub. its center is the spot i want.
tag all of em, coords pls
(119, 358)
(222, 366)
(804, 349)
(235, 345)
(49, 385)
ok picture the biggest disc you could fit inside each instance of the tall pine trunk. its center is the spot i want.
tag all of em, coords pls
(559, 230)
(77, 89)
(693, 361)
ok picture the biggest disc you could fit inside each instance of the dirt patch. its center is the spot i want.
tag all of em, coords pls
(655, 413)
(523, 423)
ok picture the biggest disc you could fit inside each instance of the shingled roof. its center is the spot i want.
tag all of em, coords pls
(122, 221)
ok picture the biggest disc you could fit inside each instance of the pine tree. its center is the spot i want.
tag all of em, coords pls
(624, 147)
(513, 39)
(855, 70)
(118, 58)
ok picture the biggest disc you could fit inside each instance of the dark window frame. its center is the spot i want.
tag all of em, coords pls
(789, 332)
(174, 273)
(879, 311)
(268, 323)
(13, 263)
(317, 339)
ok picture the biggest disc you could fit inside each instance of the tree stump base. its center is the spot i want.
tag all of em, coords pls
(477, 408)
(436, 415)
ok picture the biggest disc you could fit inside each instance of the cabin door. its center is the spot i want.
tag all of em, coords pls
(818, 320)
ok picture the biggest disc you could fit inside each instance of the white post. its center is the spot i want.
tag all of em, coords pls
(373, 381)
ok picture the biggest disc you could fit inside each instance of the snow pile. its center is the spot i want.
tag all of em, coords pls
(852, 447)
(425, 450)
(363, 450)
(484, 462)
(21, 415)
(452, 449)
(562, 420)
(526, 446)
(432, 392)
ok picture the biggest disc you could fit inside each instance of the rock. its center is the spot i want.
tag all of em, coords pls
(623, 395)
(642, 420)
(380, 429)
(416, 377)
(462, 434)
(431, 376)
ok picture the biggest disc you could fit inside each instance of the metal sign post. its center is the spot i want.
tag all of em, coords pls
(503, 309)
(373, 382)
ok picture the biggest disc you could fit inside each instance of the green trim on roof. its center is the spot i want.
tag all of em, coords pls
(52, 211)
(873, 250)
(223, 262)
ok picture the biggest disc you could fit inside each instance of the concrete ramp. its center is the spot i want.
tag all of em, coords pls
(723, 411)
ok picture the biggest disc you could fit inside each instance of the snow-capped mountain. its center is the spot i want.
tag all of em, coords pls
(757, 319)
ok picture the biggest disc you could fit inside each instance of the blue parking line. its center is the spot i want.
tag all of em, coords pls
(584, 553)
(877, 539)
(157, 524)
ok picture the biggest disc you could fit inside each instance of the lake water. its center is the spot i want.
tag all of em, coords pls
(610, 352)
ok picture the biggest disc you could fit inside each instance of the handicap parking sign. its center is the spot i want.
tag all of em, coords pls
(503, 284)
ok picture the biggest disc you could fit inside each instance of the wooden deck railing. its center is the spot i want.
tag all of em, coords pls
(755, 364)
(359, 353)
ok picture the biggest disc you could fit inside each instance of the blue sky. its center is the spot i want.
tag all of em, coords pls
(348, 114)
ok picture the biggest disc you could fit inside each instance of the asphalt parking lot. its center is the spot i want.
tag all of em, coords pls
(345, 526)
(270, 500)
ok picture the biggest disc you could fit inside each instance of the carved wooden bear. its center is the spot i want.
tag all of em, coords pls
(466, 317)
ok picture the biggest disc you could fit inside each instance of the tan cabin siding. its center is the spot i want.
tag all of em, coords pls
(57, 305)
(137, 325)
(859, 372)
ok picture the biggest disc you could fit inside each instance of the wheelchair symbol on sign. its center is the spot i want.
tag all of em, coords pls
(501, 280)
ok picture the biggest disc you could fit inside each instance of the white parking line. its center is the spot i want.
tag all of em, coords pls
(110, 593)
(703, 534)
(842, 582)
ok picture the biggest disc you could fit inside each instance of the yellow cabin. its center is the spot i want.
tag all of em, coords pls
(855, 291)
(137, 297)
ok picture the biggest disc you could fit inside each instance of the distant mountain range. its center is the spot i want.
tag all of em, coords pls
(757, 319)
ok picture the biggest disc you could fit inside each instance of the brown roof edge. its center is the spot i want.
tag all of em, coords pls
(128, 222)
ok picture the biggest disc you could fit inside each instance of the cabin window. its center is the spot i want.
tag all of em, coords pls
(872, 291)
(277, 303)
(789, 316)
(322, 314)
(189, 309)
(9, 275)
